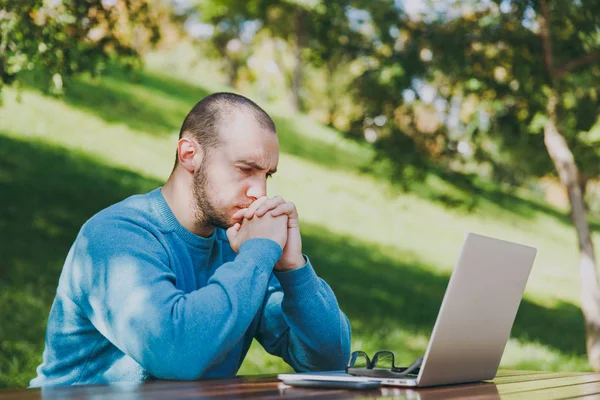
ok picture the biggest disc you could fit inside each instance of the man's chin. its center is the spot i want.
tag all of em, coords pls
(225, 220)
(222, 223)
(228, 225)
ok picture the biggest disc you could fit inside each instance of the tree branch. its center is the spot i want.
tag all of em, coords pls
(544, 20)
(574, 64)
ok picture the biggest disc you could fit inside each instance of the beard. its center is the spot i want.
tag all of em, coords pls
(206, 211)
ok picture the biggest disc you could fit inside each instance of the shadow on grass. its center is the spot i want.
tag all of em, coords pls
(136, 100)
(378, 291)
(47, 193)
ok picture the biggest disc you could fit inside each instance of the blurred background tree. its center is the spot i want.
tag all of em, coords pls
(495, 82)
(310, 31)
(229, 29)
(534, 67)
(55, 39)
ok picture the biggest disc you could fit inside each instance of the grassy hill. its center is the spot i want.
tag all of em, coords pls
(387, 254)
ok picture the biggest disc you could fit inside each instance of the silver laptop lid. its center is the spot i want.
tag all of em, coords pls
(477, 312)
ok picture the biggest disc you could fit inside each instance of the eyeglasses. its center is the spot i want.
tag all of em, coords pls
(381, 366)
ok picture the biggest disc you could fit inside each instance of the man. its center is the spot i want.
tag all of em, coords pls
(176, 283)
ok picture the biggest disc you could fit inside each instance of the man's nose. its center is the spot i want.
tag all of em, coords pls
(257, 189)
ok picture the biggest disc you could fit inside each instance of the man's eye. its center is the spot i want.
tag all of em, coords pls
(245, 170)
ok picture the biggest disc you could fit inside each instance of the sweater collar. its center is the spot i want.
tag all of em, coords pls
(174, 225)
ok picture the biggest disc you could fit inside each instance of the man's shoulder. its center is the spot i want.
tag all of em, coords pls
(137, 210)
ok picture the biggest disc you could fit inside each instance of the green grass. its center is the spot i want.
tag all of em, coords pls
(386, 253)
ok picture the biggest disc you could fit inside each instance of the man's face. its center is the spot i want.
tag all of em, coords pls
(235, 173)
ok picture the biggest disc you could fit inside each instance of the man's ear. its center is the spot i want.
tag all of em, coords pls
(189, 154)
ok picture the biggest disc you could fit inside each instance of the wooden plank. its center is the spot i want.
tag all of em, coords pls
(506, 372)
(289, 392)
(170, 390)
(517, 387)
(534, 377)
(472, 391)
(511, 384)
(149, 387)
(557, 393)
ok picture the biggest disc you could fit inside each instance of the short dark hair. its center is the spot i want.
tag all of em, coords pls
(204, 120)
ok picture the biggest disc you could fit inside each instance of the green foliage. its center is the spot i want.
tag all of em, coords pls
(226, 43)
(489, 60)
(505, 55)
(311, 32)
(57, 39)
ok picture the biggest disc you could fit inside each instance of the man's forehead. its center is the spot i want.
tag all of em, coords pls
(248, 141)
(240, 125)
(262, 158)
(240, 120)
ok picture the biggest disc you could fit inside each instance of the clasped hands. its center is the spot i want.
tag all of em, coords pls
(270, 218)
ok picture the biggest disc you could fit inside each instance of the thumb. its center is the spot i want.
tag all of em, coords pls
(232, 232)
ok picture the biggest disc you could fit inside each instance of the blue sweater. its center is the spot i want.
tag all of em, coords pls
(140, 297)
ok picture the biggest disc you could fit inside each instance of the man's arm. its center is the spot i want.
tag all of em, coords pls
(301, 319)
(302, 322)
(133, 301)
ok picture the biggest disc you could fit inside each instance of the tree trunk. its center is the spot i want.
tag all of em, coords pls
(233, 70)
(583, 185)
(231, 74)
(331, 98)
(564, 161)
(298, 46)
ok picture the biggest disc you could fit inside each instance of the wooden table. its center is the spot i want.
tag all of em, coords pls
(507, 385)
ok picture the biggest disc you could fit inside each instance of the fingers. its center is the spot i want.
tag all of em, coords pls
(288, 208)
(239, 215)
(263, 205)
(254, 206)
(277, 205)
(270, 204)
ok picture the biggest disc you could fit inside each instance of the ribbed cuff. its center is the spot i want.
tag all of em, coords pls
(262, 252)
(300, 282)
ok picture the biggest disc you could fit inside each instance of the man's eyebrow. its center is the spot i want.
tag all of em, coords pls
(256, 166)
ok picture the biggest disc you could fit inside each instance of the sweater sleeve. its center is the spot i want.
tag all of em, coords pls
(302, 322)
(129, 293)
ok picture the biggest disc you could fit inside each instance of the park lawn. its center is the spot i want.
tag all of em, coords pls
(386, 253)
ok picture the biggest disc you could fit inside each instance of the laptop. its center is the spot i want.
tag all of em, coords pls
(474, 321)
